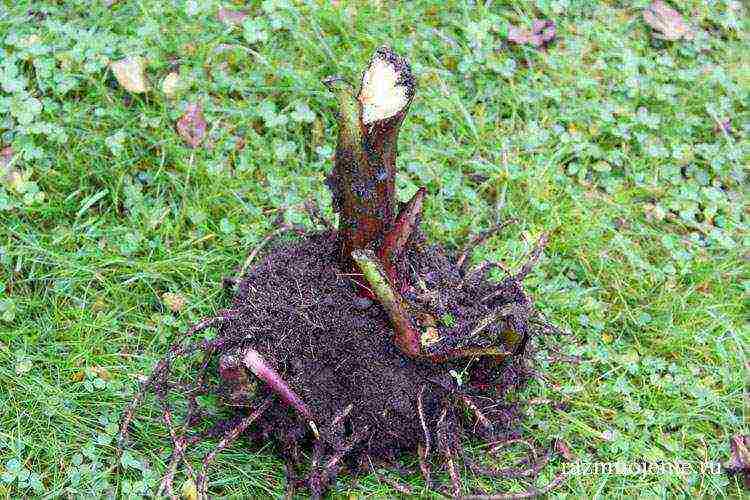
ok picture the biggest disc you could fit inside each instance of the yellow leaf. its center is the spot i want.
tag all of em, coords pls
(101, 372)
(171, 84)
(130, 74)
(189, 491)
(174, 301)
(429, 337)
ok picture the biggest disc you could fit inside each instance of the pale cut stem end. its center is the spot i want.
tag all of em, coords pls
(387, 86)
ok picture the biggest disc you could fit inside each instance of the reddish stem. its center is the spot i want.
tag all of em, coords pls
(397, 237)
(256, 364)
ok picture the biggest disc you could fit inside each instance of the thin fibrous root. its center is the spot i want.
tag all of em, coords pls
(319, 481)
(333, 432)
(256, 364)
(470, 352)
(477, 412)
(401, 488)
(333, 462)
(178, 450)
(446, 437)
(498, 445)
(180, 443)
(424, 452)
(254, 253)
(509, 472)
(229, 437)
(503, 312)
(314, 213)
(477, 240)
(533, 257)
(161, 370)
(531, 493)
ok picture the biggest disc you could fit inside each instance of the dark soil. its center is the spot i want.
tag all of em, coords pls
(334, 348)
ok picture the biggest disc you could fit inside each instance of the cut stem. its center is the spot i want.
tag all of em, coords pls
(363, 180)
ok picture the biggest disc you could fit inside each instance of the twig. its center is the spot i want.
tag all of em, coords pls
(314, 213)
(228, 439)
(533, 257)
(254, 253)
(477, 240)
(532, 493)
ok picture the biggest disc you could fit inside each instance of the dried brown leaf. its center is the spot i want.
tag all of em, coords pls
(563, 449)
(6, 155)
(667, 23)
(542, 32)
(174, 301)
(231, 17)
(130, 74)
(192, 125)
(739, 460)
(101, 372)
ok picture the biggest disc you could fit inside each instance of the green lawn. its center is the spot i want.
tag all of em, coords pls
(608, 139)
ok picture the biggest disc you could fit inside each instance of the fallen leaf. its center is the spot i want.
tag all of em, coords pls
(667, 23)
(541, 34)
(6, 155)
(563, 449)
(192, 125)
(723, 127)
(101, 372)
(189, 491)
(739, 460)
(174, 301)
(23, 366)
(130, 74)
(78, 376)
(231, 17)
(429, 336)
(171, 84)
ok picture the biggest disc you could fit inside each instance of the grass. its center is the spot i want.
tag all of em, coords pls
(607, 140)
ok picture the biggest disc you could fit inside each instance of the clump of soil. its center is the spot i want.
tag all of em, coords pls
(364, 401)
